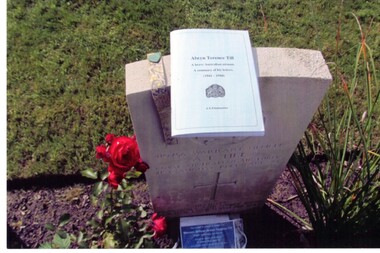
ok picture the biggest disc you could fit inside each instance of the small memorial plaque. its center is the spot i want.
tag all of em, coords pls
(210, 232)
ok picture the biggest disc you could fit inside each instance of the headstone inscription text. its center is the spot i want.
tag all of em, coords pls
(219, 175)
(222, 157)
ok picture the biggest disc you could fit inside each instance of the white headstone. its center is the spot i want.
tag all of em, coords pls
(200, 176)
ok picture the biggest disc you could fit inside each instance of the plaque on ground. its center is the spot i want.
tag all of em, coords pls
(197, 176)
(211, 231)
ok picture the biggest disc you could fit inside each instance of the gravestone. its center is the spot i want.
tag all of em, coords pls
(197, 176)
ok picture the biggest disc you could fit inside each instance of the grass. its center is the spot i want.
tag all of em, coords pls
(65, 61)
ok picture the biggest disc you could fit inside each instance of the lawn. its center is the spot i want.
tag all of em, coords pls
(65, 62)
(66, 91)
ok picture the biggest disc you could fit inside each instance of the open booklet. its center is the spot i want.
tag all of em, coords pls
(214, 85)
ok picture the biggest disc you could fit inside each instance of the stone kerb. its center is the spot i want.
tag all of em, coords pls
(221, 175)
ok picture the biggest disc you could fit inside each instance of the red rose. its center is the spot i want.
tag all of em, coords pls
(159, 225)
(141, 166)
(114, 178)
(109, 138)
(124, 153)
(101, 153)
(121, 154)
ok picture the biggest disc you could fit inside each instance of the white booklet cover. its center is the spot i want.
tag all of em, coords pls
(214, 85)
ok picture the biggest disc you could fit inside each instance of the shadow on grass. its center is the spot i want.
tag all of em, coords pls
(47, 181)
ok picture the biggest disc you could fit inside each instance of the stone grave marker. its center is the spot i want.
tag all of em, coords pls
(197, 176)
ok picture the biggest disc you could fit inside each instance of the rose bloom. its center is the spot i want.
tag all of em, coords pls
(114, 178)
(124, 153)
(109, 138)
(101, 153)
(121, 153)
(159, 225)
(141, 166)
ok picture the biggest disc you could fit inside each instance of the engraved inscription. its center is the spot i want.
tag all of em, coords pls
(175, 155)
(219, 158)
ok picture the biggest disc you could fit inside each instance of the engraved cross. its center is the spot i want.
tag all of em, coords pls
(214, 186)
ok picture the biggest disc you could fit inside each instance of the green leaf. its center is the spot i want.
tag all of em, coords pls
(50, 226)
(307, 225)
(94, 200)
(143, 213)
(144, 228)
(141, 241)
(93, 223)
(148, 244)
(97, 188)
(89, 173)
(127, 200)
(124, 227)
(103, 205)
(129, 187)
(104, 174)
(62, 234)
(73, 238)
(64, 219)
(45, 245)
(108, 200)
(119, 195)
(62, 243)
(82, 245)
(105, 187)
(108, 220)
(124, 183)
(133, 174)
(99, 214)
(80, 237)
(109, 241)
